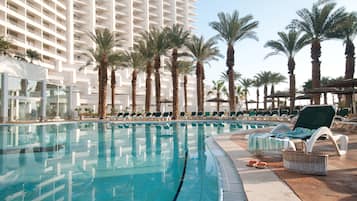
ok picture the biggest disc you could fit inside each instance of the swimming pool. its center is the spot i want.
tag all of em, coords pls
(111, 161)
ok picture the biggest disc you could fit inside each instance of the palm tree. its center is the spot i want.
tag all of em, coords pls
(159, 44)
(240, 93)
(144, 48)
(177, 37)
(4, 45)
(257, 83)
(225, 77)
(33, 55)
(246, 83)
(201, 52)
(319, 24)
(118, 60)
(232, 28)
(185, 69)
(348, 31)
(103, 56)
(288, 44)
(277, 78)
(136, 61)
(218, 88)
(265, 78)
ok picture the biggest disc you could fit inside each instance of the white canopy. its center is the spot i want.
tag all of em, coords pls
(22, 69)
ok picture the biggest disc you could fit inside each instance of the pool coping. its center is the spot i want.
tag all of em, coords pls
(231, 185)
(257, 184)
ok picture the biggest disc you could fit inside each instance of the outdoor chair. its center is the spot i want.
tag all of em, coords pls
(313, 123)
(182, 115)
(207, 114)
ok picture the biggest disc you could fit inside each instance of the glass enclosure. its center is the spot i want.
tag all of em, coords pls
(24, 99)
(57, 101)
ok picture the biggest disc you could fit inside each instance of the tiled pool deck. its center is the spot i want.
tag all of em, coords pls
(240, 182)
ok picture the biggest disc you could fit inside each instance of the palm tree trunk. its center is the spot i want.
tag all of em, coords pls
(148, 86)
(198, 86)
(292, 91)
(133, 90)
(292, 82)
(218, 103)
(103, 90)
(174, 84)
(350, 66)
(112, 85)
(185, 81)
(272, 92)
(157, 63)
(100, 92)
(265, 96)
(315, 55)
(257, 98)
(202, 88)
(246, 100)
(230, 64)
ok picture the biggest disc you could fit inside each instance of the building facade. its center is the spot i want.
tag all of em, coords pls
(58, 31)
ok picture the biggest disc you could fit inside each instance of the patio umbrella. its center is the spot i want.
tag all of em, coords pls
(346, 83)
(165, 101)
(323, 90)
(217, 100)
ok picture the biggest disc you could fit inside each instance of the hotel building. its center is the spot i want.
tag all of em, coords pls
(58, 31)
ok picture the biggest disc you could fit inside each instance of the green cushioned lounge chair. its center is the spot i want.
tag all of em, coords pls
(312, 123)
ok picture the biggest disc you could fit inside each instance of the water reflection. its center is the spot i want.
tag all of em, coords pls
(102, 161)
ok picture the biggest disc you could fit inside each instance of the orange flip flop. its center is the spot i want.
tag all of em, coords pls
(261, 165)
(252, 163)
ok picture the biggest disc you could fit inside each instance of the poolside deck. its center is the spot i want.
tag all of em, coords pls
(276, 183)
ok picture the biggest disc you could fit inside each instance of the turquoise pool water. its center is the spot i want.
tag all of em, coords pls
(110, 161)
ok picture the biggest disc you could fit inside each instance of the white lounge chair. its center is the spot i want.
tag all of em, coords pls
(313, 123)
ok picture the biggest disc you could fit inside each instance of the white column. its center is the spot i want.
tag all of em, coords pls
(112, 15)
(4, 115)
(131, 23)
(70, 107)
(173, 11)
(43, 100)
(69, 31)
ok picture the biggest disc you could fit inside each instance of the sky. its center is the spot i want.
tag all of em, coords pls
(273, 16)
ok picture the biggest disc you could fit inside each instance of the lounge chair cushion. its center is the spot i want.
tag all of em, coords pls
(297, 133)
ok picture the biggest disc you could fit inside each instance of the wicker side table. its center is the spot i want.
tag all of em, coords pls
(306, 163)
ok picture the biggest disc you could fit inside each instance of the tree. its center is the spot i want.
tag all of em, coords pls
(246, 83)
(158, 43)
(319, 24)
(232, 28)
(118, 60)
(257, 83)
(348, 32)
(177, 37)
(103, 56)
(136, 61)
(33, 55)
(218, 88)
(277, 78)
(288, 44)
(240, 93)
(265, 78)
(143, 46)
(202, 52)
(185, 69)
(4, 45)
(225, 77)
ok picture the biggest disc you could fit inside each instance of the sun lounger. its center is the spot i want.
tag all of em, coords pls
(313, 123)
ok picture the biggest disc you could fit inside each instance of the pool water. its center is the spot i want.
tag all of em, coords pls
(111, 161)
